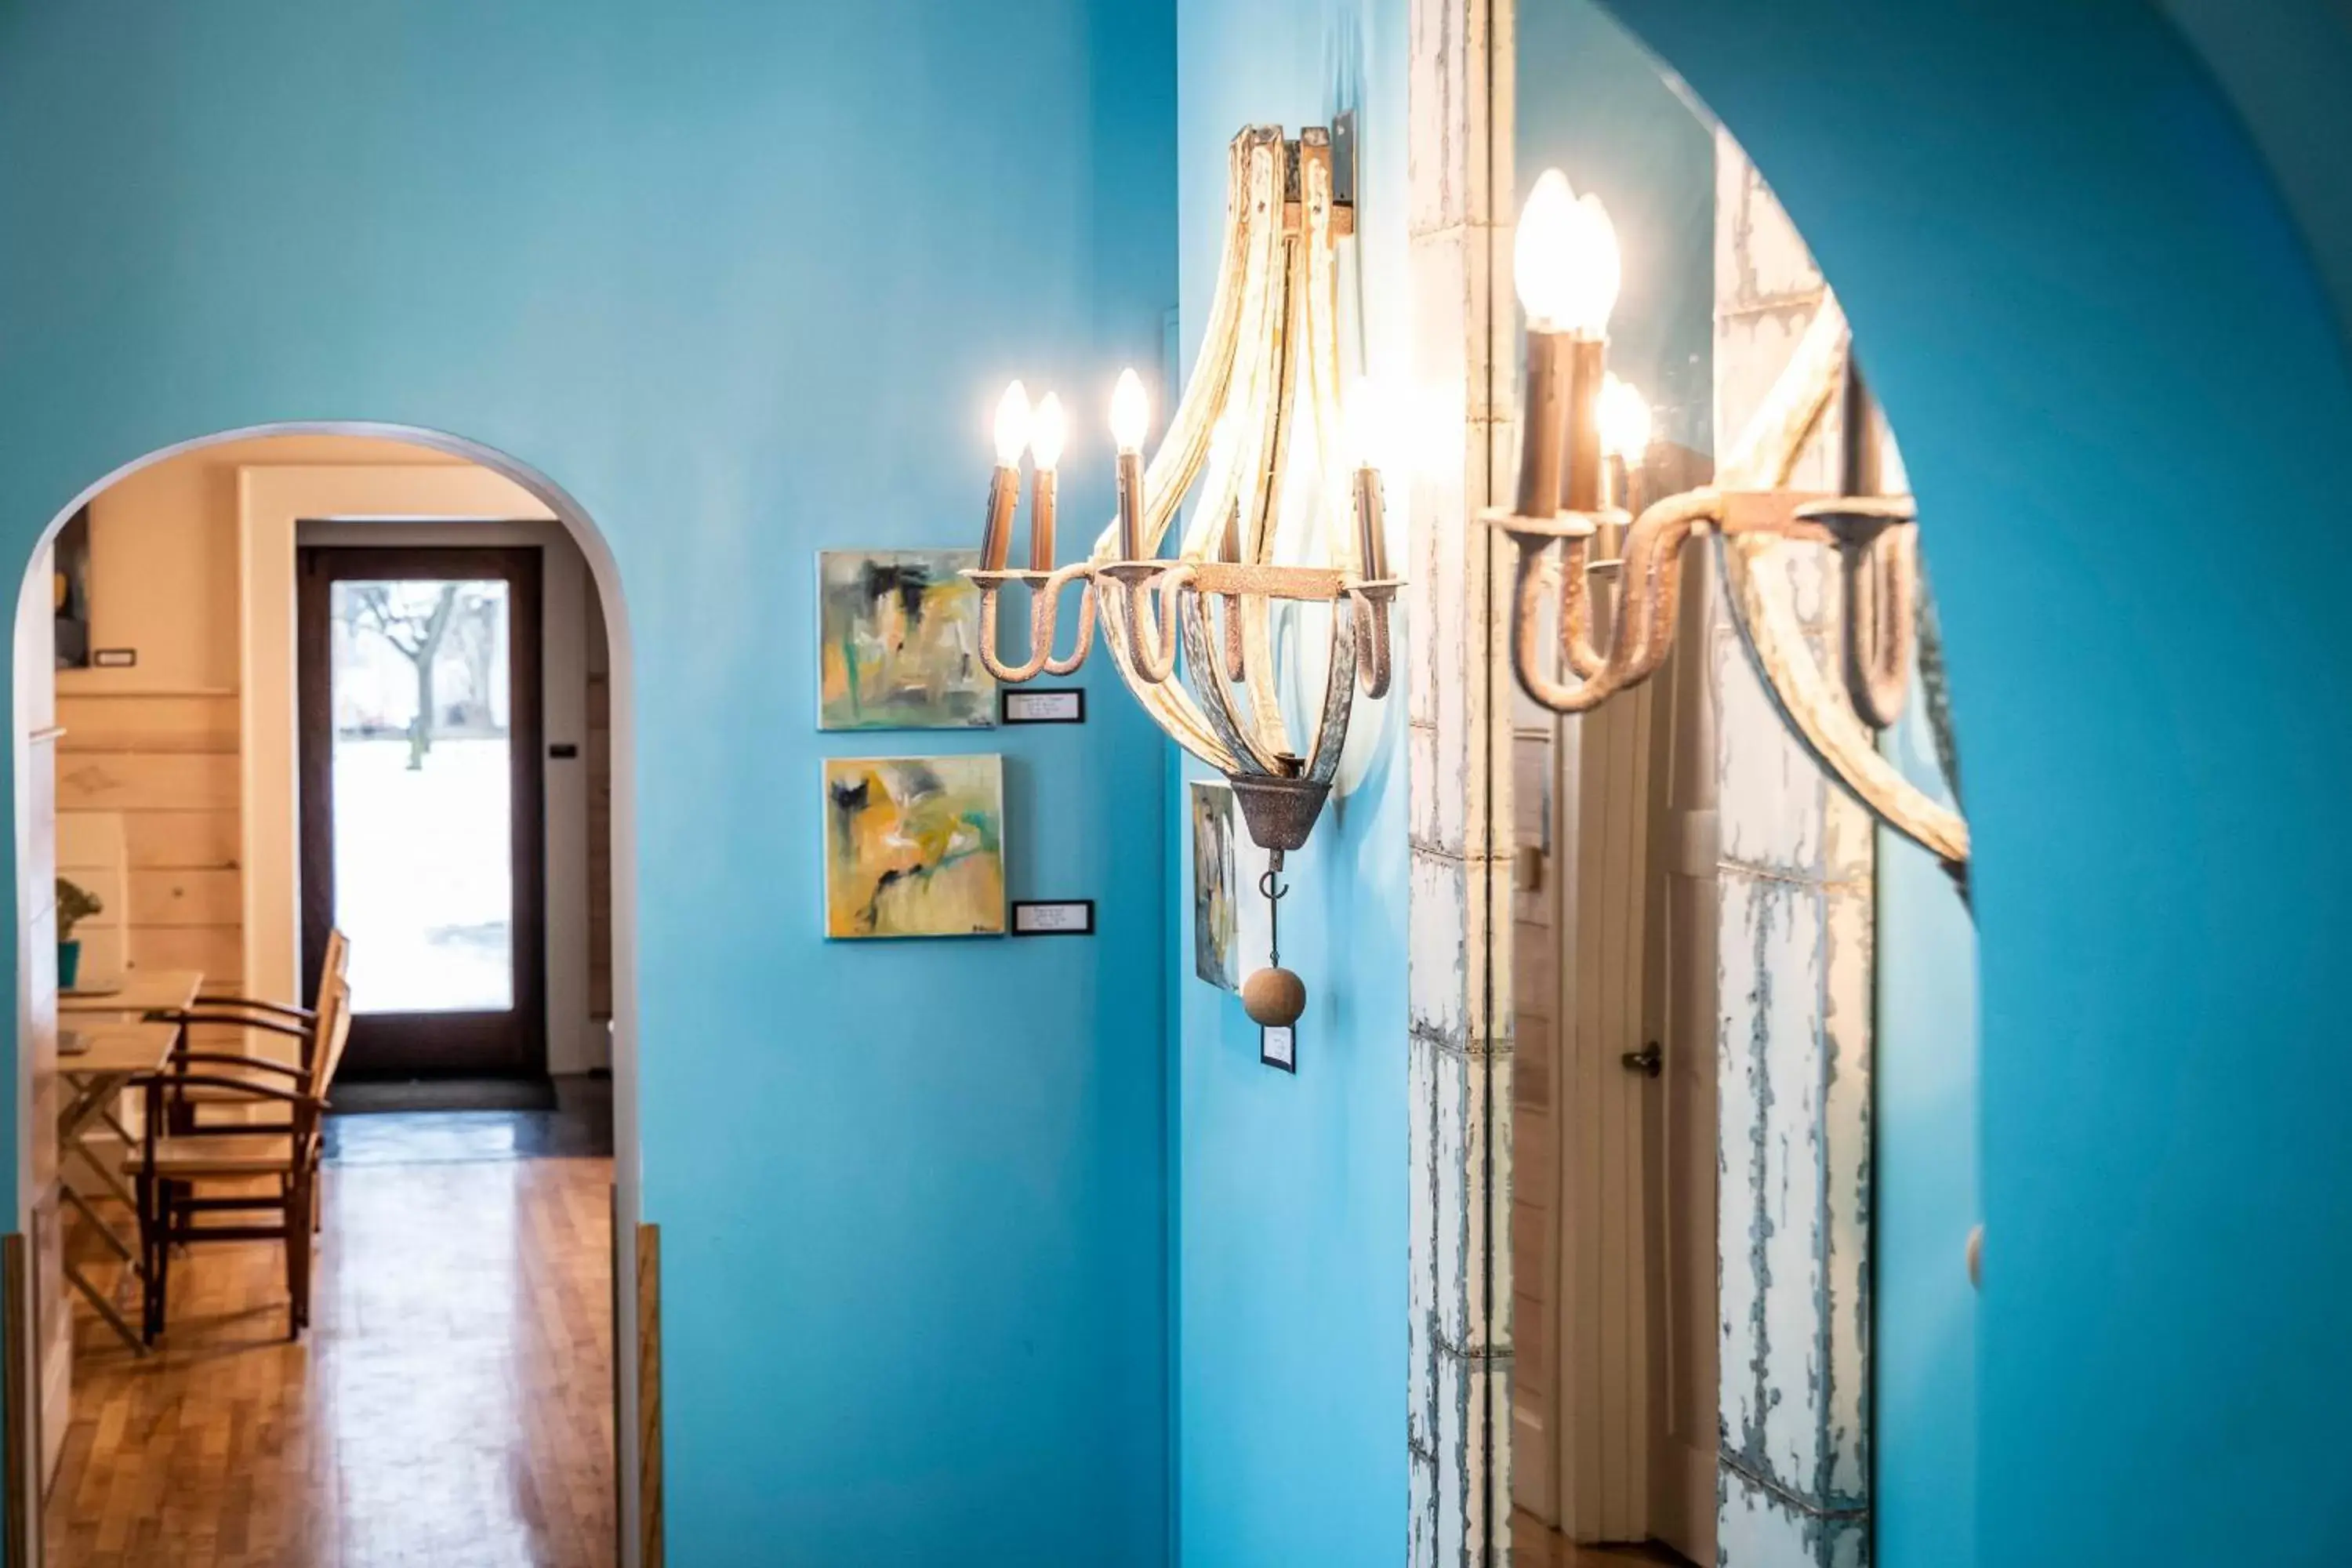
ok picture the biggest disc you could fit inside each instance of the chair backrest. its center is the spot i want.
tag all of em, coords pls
(336, 961)
(329, 1032)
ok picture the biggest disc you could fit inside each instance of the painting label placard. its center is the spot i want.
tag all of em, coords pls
(914, 846)
(900, 647)
(1056, 706)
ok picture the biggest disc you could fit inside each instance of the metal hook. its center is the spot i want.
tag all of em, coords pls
(1274, 893)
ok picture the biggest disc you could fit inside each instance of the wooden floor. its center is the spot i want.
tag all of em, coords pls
(451, 1403)
(1533, 1546)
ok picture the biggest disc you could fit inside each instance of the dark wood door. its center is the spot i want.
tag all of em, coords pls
(422, 809)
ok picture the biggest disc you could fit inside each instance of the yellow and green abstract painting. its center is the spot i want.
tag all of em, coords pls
(914, 846)
(901, 641)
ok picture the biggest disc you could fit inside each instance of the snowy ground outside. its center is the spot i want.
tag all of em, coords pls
(425, 875)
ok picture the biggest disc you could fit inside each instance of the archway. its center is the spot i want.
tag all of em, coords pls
(285, 487)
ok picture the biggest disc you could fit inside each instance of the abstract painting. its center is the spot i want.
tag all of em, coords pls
(1216, 892)
(901, 641)
(914, 846)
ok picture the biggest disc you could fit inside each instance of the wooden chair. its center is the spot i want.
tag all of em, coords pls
(299, 1024)
(282, 1160)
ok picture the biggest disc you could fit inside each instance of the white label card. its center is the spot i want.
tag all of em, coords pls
(1064, 707)
(1074, 917)
(1279, 1048)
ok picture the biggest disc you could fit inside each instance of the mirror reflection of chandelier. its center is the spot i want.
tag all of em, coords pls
(1582, 435)
(1259, 432)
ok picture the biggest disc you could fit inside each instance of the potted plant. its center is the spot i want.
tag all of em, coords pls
(76, 904)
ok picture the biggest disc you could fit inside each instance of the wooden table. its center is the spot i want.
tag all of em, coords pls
(142, 991)
(120, 1043)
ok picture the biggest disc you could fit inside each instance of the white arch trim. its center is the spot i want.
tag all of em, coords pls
(271, 502)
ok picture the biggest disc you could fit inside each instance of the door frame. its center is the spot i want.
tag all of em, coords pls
(391, 1044)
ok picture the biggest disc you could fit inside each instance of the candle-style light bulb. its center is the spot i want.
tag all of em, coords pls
(1130, 412)
(1592, 269)
(1004, 485)
(1049, 430)
(1624, 419)
(1011, 425)
(1131, 419)
(1540, 252)
(1366, 425)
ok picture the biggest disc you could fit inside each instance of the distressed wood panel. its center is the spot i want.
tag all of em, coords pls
(138, 781)
(148, 721)
(161, 841)
(217, 951)
(185, 898)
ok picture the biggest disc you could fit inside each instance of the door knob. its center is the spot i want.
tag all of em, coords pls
(1648, 1061)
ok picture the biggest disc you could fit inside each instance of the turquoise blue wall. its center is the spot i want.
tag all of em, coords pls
(2118, 376)
(1592, 104)
(1928, 1196)
(743, 277)
(1291, 1191)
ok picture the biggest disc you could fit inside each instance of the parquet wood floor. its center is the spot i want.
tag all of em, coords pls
(450, 1405)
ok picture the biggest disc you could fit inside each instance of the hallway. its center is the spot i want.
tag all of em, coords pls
(450, 1404)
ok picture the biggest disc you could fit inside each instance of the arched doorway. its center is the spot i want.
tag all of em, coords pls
(520, 1248)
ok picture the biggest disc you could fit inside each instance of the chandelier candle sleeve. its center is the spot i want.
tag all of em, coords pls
(1048, 429)
(1130, 414)
(1004, 485)
(1583, 472)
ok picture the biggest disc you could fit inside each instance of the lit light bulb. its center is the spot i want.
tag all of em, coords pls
(1592, 270)
(1624, 417)
(1011, 425)
(1049, 431)
(1130, 412)
(1367, 424)
(1540, 254)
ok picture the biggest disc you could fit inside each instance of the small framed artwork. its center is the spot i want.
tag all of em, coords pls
(1277, 1046)
(1216, 889)
(899, 633)
(914, 846)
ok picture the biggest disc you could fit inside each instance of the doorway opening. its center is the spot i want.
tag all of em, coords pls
(422, 802)
(332, 741)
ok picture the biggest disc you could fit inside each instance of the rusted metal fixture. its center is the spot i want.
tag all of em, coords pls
(1566, 548)
(1193, 634)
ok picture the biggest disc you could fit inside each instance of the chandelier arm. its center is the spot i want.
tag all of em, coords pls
(1084, 642)
(1372, 640)
(1320, 318)
(1650, 603)
(1190, 425)
(1278, 409)
(1213, 695)
(1153, 639)
(1338, 699)
(1023, 670)
(1237, 660)
(1527, 644)
(1236, 420)
(1882, 584)
(1769, 446)
(1166, 703)
(1818, 717)
(1576, 649)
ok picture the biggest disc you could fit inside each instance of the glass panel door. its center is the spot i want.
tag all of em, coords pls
(423, 835)
(424, 815)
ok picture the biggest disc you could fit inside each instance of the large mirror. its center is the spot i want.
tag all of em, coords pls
(1742, 1152)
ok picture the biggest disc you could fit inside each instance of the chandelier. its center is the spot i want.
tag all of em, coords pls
(1577, 542)
(1194, 635)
